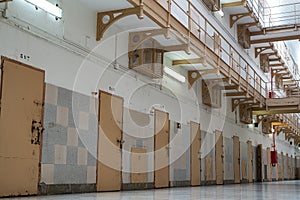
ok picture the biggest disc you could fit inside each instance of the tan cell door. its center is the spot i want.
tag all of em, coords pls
(138, 165)
(109, 142)
(195, 135)
(250, 162)
(282, 166)
(161, 147)
(236, 159)
(269, 169)
(219, 158)
(21, 119)
(259, 167)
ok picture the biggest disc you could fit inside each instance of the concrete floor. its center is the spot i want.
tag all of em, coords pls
(288, 190)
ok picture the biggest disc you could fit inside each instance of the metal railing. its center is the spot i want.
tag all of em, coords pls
(281, 15)
(188, 14)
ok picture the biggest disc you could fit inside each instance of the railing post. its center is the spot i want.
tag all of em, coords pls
(169, 14)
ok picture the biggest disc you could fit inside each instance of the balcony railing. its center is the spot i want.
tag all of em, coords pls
(188, 14)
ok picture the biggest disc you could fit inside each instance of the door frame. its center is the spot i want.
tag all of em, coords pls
(3, 60)
(121, 129)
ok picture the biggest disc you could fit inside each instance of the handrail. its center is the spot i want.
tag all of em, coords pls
(290, 15)
(204, 30)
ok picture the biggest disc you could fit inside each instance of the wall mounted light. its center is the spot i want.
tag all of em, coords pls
(174, 74)
(47, 6)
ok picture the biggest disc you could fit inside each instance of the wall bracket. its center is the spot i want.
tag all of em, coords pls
(106, 19)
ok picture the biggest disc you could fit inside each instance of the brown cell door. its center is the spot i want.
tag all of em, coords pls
(21, 119)
(259, 163)
(219, 158)
(161, 147)
(195, 135)
(109, 142)
(236, 158)
(287, 166)
(208, 168)
(282, 166)
(269, 174)
(250, 162)
(138, 165)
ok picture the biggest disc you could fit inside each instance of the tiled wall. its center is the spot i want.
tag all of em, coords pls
(70, 137)
(70, 143)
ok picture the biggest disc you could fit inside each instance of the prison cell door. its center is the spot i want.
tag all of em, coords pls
(282, 166)
(250, 162)
(161, 147)
(195, 137)
(21, 120)
(236, 157)
(219, 158)
(138, 165)
(259, 163)
(269, 169)
(109, 142)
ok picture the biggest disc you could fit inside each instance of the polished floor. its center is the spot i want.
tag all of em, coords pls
(288, 190)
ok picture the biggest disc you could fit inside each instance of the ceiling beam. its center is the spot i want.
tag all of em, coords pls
(230, 87)
(274, 30)
(189, 61)
(276, 39)
(233, 4)
(233, 94)
(259, 111)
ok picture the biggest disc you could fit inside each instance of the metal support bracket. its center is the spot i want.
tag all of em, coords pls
(194, 75)
(259, 50)
(106, 19)
(235, 17)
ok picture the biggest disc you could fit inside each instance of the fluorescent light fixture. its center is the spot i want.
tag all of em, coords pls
(47, 6)
(221, 13)
(174, 74)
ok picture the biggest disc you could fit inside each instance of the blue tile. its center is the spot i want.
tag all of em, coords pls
(92, 160)
(72, 155)
(70, 174)
(48, 153)
(56, 134)
(50, 112)
(64, 97)
(80, 102)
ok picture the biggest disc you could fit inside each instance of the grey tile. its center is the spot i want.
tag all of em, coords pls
(93, 124)
(70, 174)
(88, 140)
(72, 155)
(180, 174)
(72, 115)
(48, 153)
(64, 97)
(80, 102)
(56, 134)
(49, 114)
(92, 160)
